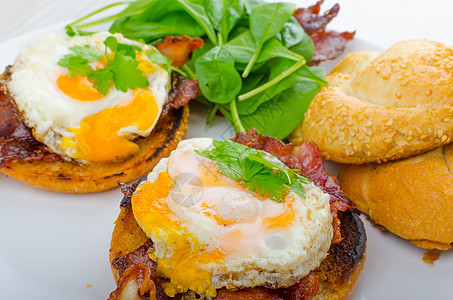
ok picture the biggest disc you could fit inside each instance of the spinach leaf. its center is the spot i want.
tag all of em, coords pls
(274, 48)
(175, 23)
(292, 33)
(250, 3)
(304, 74)
(242, 48)
(266, 20)
(290, 106)
(198, 13)
(224, 15)
(218, 79)
(306, 47)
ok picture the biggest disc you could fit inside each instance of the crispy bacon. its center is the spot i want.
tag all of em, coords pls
(307, 158)
(138, 276)
(328, 45)
(16, 139)
(183, 90)
(179, 48)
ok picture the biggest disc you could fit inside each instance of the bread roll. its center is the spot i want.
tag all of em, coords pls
(385, 106)
(412, 198)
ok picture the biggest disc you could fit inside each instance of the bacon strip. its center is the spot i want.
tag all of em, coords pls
(138, 276)
(183, 90)
(179, 48)
(328, 45)
(307, 158)
(16, 139)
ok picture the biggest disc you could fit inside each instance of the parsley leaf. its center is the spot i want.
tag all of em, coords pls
(77, 62)
(255, 172)
(125, 73)
(101, 80)
(121, 68)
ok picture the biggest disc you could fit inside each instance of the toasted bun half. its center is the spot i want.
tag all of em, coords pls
(339, 271)
(385, 106)
(63, 176)
(412, 198)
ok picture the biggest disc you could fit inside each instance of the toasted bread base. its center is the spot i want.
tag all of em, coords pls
(339, 271)
(63, 176)
(412, 198)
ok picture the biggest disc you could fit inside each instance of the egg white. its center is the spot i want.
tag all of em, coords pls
(277, 259)
(49, 111)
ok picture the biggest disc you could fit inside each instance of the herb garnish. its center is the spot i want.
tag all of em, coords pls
(254, 171)
(253, 65)
(122, 69)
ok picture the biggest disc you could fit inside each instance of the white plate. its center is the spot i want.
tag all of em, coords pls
(55, 246)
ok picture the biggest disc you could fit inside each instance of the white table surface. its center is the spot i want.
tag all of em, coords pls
(382, 22)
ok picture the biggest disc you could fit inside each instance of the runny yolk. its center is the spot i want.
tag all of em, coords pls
(98, 139)
(79, 88)
(151, 211)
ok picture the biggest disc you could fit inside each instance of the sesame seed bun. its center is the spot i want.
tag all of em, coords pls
(385, 106)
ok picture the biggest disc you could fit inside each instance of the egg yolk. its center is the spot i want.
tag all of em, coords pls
(158, 220)
(78, 87)
(98, 139)
(183, 267)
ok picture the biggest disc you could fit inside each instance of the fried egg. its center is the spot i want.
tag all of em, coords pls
(209, 232)
(70, 116)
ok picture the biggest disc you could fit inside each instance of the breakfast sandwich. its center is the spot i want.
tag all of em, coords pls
(79, 113)
(248, 218)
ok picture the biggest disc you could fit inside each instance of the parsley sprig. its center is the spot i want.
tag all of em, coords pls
(254, 171)
(121, 68)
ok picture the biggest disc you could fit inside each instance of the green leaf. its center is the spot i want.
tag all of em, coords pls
(224, 15)
(102, 80)
(198, 13)
(77, 61)
(250, 3)
(266, 20)
(292, 33)
(218, 79)
(87, 52)
(112, 43)
(306, 47)
(129, 50)
(125, 73)
(274, 48)
(289, 105)
(175, 23)
(242, 47)
(76, 65)
(254, 170)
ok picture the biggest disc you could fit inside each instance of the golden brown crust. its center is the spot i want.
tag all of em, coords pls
(339, 272)
(412, 198)
(382, 107)
(63, 176)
